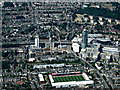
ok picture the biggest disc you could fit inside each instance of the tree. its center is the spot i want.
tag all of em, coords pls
(5, 65)
(24, 4)
(8, 4)
(19, 70)
(47, 67)
(117, 26)
(8, 70)
(23, 66)
(5, 54)
(99, 12)
(74, 16)
(31, 68)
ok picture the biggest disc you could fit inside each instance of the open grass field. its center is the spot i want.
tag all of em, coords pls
(68, 78)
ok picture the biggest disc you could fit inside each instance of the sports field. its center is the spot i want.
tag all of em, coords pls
(68, 78)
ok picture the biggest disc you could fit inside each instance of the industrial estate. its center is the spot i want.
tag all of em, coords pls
(60, 45)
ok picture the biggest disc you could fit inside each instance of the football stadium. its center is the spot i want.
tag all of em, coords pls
(70, 79)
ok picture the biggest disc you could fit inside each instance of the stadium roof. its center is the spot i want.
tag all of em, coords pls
(64, 80)
(73, 83)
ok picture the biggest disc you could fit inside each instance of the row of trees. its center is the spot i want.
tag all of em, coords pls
(98, 12)
(10, 4)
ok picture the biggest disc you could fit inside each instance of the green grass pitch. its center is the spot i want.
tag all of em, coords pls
(68, 78)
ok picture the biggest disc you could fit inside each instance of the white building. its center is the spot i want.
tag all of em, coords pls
(41, 78)
(76, 40)
(84, 6)
(100, 18)
(93, 35)
(83, 53)
(92, 21)
(91, 17)
(101, 23)
(37, 41)
(103, 39)
(75, 47)
(31, 59)
(48, 65)
(110, 49)
(20, 50)
(117, 21)
(109, 20)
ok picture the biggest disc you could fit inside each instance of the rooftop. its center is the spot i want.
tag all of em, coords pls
(41, 77)
(112, 49)
(104, 39)
(93, 35)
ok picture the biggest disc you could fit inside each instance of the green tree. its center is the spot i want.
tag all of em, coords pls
(19, 70)
(8, 70)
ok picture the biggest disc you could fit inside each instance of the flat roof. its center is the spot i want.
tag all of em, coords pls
(40, 77)
(76, 39)
(110, 49)
(104, 39)
(93, 35)
(73, 83)
(53, 65)
(31, 59)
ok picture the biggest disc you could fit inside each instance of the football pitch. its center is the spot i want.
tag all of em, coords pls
(68, 78)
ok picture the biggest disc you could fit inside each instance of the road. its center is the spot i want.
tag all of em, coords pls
(106, 86)
(109, 79)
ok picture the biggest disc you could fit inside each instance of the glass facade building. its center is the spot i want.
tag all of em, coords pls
(84, 38)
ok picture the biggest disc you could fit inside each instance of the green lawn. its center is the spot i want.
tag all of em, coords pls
(69, 78)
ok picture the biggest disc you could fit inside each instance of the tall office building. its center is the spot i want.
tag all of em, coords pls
(37, 41)
(84, 38)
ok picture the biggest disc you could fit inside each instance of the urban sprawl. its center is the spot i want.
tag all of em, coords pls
(60, 45)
